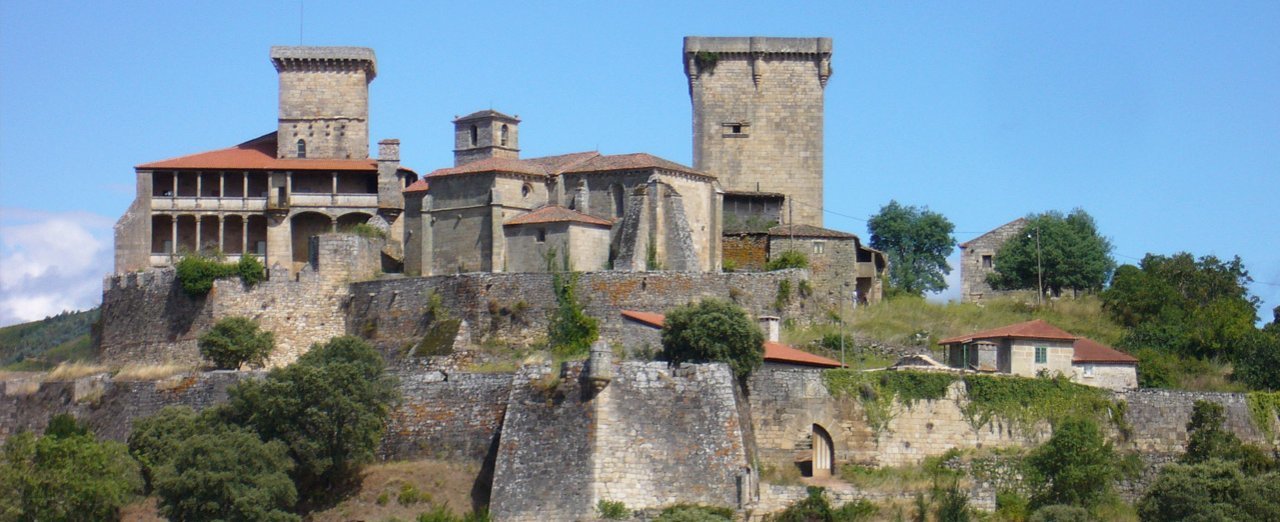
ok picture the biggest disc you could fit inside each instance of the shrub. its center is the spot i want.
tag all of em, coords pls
(815, 508)
(251, 270)
(713, 330)
(1061, 513)
(156, 439)
(228, 474)
(953, 504)
(1212, 490)
(366, 230)
(570, 331)
(442, 514)
(329, 408)
(69, 477)
(1076, 466)
(612, 510)
(788, 259)
(1011, 505)
(236, 341)
(694, 513)
(197, 272)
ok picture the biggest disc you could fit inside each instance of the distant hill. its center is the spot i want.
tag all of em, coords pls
(42, 344)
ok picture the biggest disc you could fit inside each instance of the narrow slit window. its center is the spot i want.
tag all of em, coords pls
(475, 135)
(503, 135)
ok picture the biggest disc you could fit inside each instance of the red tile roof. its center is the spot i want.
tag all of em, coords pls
(487, 113)
(635, 161)
(1091, 351)
(544, 166)
(417, 186)
(556, 214)
(1037, 329)
(773, 352)
(809, 231)
(256, 154)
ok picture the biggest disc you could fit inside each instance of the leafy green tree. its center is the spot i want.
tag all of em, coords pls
(63, 425)
(69, 477)
(329, 408)
(1192, 307)
(236, 341)
(1061, 513)
(713, 330)
(1207, 441)
(1213, 490)
(1076, 466)
(230, 475)
(155, 440)
(918, 242)
(570, 330)
(1257, 360)
(1067, 250)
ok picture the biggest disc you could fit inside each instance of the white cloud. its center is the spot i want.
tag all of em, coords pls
(51, 262)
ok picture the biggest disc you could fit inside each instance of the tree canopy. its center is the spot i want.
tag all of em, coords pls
(227, 474)
(713, 330)
(1075, 467)
(1193, 307)
(235, 341)
(918, 242)
(1070, 254)
(65, 475)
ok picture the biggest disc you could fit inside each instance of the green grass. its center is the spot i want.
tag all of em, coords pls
(40, 345)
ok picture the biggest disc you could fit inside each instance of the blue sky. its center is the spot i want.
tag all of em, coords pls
(1162, 120)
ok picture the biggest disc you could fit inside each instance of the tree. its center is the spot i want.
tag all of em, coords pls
(155, 440)
(1257, 360)
(67, 476)
(236, 341)
(228, 474)
(918, 242)
(1066, 251)
(1207, 441)
(329, 408)
(1192, 307)
(713, 330)
(570, 331)
(1212, 490)
(1074, 467)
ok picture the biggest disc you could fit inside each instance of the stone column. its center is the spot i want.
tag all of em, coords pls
(222, 185)
(174, 194)
(198, 219)
(333, 194)
(199, 192)
(244, 235)
(173, 231)
(245, 193)
(222, 226)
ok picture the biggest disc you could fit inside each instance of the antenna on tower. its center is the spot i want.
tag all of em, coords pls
(300, 9)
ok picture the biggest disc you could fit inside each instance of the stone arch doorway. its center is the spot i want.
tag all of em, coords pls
(348, 221)
(823, 452)
(303, 226)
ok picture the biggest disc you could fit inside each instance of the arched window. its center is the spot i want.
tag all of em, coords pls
(302, 149)
(475, 135)
(504, 135)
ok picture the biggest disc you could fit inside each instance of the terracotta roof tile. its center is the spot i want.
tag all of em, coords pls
(487, 113)
(773, 352)
(1037, 329)
(556, 214)
(1091, 351)
(630, 161)
(809, 231)
(418, 186)
(544, 166)
(256, 154)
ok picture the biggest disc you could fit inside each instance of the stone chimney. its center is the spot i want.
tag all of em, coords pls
(770, 324)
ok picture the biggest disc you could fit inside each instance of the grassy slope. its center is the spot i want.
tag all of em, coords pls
(42, 344)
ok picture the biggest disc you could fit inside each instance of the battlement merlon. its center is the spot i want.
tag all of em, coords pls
(755, 49)
(294, 58)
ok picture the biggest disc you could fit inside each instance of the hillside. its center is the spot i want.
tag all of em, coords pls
(42, 344)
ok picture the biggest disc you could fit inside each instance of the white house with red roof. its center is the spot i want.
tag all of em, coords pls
(1032, 347)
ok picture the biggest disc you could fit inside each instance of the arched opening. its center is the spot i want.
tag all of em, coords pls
(304, 226)
(618, 202)
(233, 235)
(346, 222)
(823, 452)
(504, 135)
(302, 149)
(186, 235)
(475, 135)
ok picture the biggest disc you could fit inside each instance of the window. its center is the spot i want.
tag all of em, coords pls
(735, 129)
(1042, 355)
(1088, 370)
(616, 191)
(986, 261)
(525, 190)
(302, 149)
(542, 235)
(819, 246)
(504, 135)
(475, 135)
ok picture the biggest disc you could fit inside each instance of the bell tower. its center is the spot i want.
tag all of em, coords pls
(485, 134)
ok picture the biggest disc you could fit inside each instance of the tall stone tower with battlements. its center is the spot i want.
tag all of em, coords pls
(324, 101)
(757, 116)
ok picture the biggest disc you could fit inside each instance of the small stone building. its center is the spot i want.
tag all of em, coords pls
(658, 214)
(1032, 347)
(977, 260)
(533, 237)
(267, 197)
(841, 268)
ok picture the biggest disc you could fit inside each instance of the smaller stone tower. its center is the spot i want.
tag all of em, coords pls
(324, 101)
(485, 134)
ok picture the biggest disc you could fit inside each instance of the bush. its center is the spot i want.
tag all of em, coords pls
(694, 513)
(197, 272)
(1061, 513)
(442, 514)
(815, 508)
(612, 510)
(1212, 490)
(1076, 466)
(713, 330)
(788, 259)
(227, 474)
(1207, 440)
(1011, 505)
(1257, 361)
(236, 341)
(156, 439)
(953, 504)
(329, 408)
(66, 477)
(570, 331)
(251, 270)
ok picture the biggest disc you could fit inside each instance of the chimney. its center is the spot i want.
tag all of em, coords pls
(770, 324)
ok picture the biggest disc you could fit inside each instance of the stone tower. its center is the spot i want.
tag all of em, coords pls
(324, 101)
(757, 116)
(485, 134)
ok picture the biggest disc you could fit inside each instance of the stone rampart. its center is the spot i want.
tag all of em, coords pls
(446, 415)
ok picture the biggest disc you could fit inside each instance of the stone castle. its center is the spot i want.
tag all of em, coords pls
(757, 136)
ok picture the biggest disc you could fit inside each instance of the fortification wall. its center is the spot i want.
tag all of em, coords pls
(446, 415)
(393, 313)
